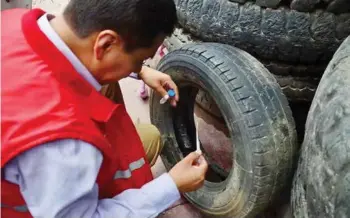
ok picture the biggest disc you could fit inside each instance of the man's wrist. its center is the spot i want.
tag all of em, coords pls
(143, 70)
(139, 75)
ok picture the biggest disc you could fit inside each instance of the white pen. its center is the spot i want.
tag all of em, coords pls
(198, 147)
(171, 93)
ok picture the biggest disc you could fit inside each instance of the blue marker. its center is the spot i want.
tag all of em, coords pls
(171, 94)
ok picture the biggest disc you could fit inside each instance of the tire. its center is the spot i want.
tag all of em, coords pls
(257, 116)
(206, 102)
(281, 34)
(298, 82)
(334, 6)
(299, 111)
(322, 182)
(15, 4)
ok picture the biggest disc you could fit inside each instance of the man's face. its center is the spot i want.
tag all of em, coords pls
(113, 62)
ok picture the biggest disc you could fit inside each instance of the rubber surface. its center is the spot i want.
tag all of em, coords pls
(278, 34)
(298, 82)
(322, 182)
(334, 6)
(257, 116)
(299, 111)
(206, 102)
(15, 4)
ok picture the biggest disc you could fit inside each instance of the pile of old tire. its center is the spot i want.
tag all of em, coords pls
(257, 116)
(322, 182)
(295, 39)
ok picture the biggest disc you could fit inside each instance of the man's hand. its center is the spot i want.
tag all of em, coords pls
(160, 82)
(189, 173)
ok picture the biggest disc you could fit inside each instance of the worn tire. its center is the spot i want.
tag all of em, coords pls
(278, 34)
(257, 116)
(322, 182)
(15, 4)
(298, 82)
(206, 102)
(334, 6)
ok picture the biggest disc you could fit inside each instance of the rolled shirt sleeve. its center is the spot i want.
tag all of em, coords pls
(58, 179)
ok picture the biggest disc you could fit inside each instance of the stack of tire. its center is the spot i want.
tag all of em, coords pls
(246, 54)
(294, 39)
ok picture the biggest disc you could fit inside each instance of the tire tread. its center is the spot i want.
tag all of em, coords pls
(272, 34)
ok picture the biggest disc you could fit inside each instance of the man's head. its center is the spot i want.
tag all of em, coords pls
(122, 33)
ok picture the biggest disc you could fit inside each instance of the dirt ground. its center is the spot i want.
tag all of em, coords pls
(52, 6)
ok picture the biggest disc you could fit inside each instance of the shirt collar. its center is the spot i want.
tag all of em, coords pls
(50, 33)
(100, 108)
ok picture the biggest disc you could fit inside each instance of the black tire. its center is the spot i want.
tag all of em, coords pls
(322, 182)
(299, 111)
(334, 6)
(298, 82)
(15, 4)
(278, 34)
(257, 116)
(206, 102)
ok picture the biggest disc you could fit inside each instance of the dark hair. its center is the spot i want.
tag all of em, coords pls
(138, 22)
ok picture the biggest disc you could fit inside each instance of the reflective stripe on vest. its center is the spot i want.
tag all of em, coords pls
(125, 174)
(120, 174)
(22, 208)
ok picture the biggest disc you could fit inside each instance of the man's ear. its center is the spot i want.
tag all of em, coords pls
(104, 42)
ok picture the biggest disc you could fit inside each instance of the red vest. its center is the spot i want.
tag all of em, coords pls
(43, 98)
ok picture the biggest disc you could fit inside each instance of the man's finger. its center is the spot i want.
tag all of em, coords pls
(161, 90)
(173, 102)
(202, 163)
(193, 156)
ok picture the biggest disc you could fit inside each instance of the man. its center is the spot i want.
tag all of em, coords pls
(67, 150)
